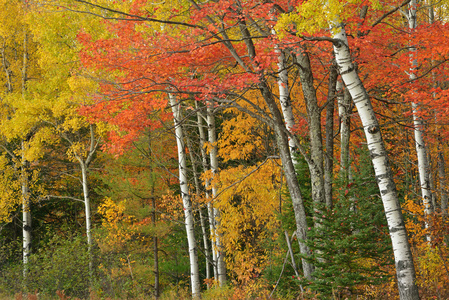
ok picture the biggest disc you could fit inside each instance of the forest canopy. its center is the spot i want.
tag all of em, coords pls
(224, 149)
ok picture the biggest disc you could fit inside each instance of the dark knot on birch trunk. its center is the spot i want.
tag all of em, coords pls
(373, 129)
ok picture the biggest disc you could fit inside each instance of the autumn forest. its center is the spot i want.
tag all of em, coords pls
(224, 149)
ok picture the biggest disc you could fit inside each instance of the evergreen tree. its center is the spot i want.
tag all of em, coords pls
(351, 244)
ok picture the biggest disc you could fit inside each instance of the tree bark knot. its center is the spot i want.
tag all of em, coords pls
(373, 129)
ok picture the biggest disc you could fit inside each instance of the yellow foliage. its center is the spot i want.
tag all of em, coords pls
(113, 220)
(313, 16)
(431, 258)
(243, 137)
(10, 193)
(248, 198)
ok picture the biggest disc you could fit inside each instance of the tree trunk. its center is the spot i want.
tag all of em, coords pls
(206, 185)
(198, 195)
(221, 265)
(442, 180)
(26, 216)
(88, 215)
(188, 213)
(290, 176)
(405, 269)
(285, 100)
(329, 158)
(316, 163)
(423, 164)
(155, 251)
(344, 106)
(154, 220)
(26, 203)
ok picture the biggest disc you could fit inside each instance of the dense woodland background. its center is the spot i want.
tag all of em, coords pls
(218, 149)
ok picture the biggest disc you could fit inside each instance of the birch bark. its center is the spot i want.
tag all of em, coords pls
(198, 194)
(405, 269)
(210, 210)
(26, 203)
(221, 266)
(84, 166)
(187, 204)
(285, 100)
(26, 216)
(423, 164)
(344, 105)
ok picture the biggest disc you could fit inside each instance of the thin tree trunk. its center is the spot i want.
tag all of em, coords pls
(290, 177)
(329, 158)
(84, 165)
(344, 106)
(198, 195)
(154, 220)
(206, 185)
(316, 163)
(185, 194)
(206, 246)
(442, 180)
(405, 269)
(26, 203)
(88, 216)
(423, 164)
(285, 100)
(221, 265)
(155, 251)
(26, 216)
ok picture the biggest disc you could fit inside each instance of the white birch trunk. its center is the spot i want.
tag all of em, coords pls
(205, 245)
(423, 164)
(87, 213)
(188, 213)
(84, 166)
(405, 270)
(285, 100)
(26, 216)
(26, 207)
(202, 223)
(221, 265)
(345, 122)
(210, 211)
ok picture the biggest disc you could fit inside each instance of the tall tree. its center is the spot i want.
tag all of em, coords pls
(419, 128)
(185, 194)
(401, 248)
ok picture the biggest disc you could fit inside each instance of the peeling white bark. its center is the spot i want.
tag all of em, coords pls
(188, 213)
(220, 253)
(405, 270)
(210, 211)
(26, 215)
(284, 99)
(423, 164)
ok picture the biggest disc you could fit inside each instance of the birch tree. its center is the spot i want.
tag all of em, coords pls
(219, 250)
(185, 194)
(210, 211)
(405, 270)
(418, 124)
